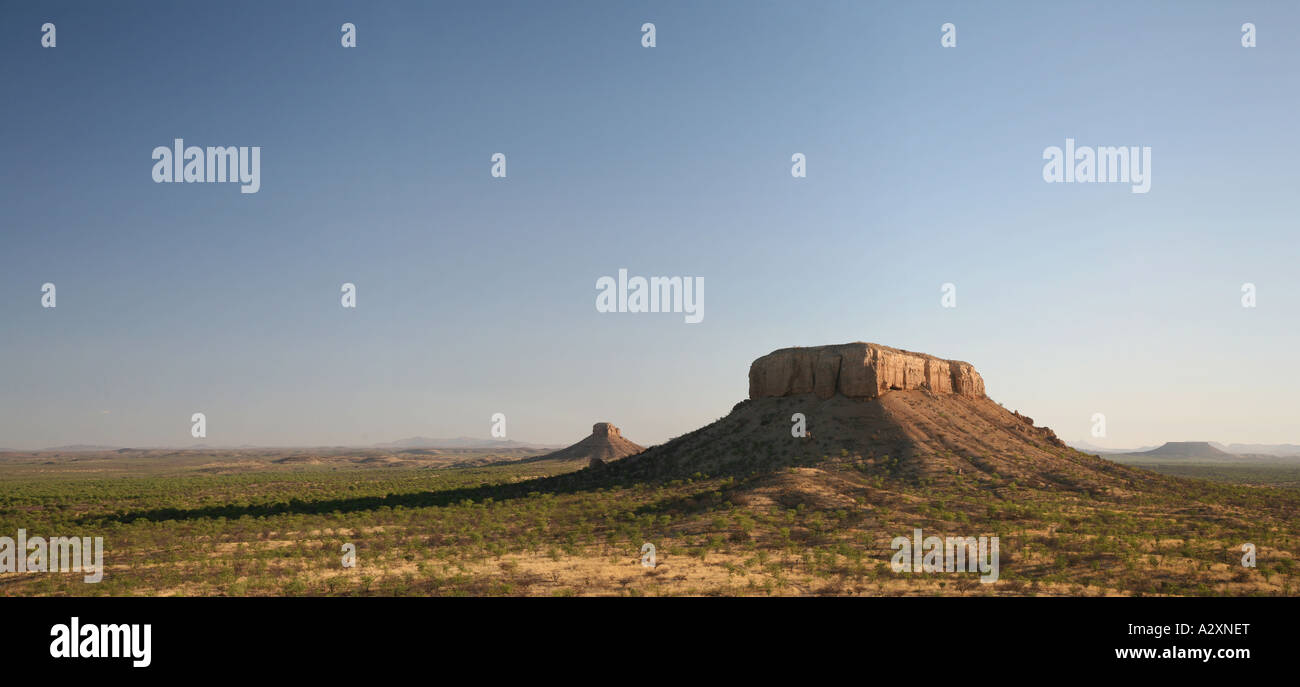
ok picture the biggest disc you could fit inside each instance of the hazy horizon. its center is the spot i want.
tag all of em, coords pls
(523, 443)
(475, 295)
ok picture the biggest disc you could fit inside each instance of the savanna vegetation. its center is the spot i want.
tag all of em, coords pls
(808, 524)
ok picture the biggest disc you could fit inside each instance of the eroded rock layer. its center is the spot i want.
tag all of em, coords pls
(858, 370)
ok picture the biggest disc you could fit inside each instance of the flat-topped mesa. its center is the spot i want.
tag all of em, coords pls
(859, 370)
(604, 429)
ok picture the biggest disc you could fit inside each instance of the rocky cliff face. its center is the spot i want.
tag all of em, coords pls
(858, 370)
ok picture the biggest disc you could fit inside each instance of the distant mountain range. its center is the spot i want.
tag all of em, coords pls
(460, 442)
(1196, 449)
(1101, 450)
(73, 448)
(1261, 449)
(408, 443)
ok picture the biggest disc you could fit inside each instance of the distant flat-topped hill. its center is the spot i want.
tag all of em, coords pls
(1186, 449)
(605, 444)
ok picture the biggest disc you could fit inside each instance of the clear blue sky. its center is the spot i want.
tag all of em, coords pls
(476, 295)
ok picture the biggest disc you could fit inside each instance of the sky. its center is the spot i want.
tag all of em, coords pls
(476, 295)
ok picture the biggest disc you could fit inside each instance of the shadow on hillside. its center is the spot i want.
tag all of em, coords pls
(647, 467)
(559, 484)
